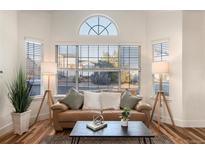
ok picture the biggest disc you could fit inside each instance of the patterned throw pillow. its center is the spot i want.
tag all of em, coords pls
(74, 99)
(129, 101)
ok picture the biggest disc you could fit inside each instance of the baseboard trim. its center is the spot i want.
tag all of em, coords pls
(9, 127)
(183, 123)
(6, 129)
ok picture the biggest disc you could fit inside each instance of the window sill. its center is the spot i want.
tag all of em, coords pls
(58, 96)
(38, 97)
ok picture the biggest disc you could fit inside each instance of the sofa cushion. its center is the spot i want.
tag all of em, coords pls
(129, 101)
(115, 115)
(110, 100)
(77, 115)
(74, 100)
(91, 101)
(111, 114)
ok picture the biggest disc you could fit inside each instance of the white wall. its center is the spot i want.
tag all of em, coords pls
(194, 68)
(9, 61)
(167, 25)
(185, 31)
(35, 25)
(66, 24)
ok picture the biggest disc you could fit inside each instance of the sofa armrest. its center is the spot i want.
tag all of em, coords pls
(142, 106)
(59, 106)
(145, 108)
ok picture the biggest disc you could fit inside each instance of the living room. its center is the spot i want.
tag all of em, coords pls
(139, 69)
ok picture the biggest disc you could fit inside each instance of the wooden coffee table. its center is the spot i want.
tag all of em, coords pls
(136, 129)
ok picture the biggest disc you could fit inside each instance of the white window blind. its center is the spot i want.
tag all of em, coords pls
(33, 65)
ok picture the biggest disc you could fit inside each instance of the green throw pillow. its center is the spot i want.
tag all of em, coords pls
(74, 99)
(129, 101)
(124, 97)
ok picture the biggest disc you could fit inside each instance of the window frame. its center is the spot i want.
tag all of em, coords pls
(99, 15)
(118, 69)
(37, 42)
(161, 59)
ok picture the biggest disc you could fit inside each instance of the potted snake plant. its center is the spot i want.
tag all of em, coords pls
(19, 95)
(124, 117)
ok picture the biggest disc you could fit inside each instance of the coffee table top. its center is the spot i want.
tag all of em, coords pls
(113, 129)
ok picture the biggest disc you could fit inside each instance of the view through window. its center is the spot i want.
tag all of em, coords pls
(91, 67)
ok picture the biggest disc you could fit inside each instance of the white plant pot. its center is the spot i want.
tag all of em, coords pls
(21, 122)
(124, 123)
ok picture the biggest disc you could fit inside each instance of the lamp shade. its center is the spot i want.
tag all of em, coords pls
(49, 68)
(160, 67)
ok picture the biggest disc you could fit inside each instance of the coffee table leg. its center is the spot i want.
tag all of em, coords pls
(150, 140)
(78, 140)
(139, 140)
(72, 140)
(75, 140)
(144, 139)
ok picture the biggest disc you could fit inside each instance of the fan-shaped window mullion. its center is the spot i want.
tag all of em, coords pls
(105, 28)
(91, 28)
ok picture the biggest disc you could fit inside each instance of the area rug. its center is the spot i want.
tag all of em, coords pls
(65, 139)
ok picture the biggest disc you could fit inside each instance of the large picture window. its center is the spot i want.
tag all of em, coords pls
(33, 65)
(160, 53)
(92, 67)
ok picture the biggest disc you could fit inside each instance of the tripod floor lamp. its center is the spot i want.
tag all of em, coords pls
(160, 68)
(49, 69)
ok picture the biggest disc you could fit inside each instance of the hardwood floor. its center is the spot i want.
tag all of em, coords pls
(42, 128)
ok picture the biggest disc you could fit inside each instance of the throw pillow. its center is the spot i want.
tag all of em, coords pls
(110, 100)
(91, 101)
(129, 101)
(74, 100)
(124, 98)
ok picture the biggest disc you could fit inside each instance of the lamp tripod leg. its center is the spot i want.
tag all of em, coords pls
(158, 110)
(168, 109)
(155, 103)
(50, 102)
(44, 96)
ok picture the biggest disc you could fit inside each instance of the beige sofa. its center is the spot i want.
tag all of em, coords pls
(63, 117)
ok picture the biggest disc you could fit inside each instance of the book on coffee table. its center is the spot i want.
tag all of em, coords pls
(95, 127)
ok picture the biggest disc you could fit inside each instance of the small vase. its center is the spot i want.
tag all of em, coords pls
(124, 123)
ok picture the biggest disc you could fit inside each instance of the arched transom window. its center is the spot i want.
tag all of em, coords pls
(98, 25)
